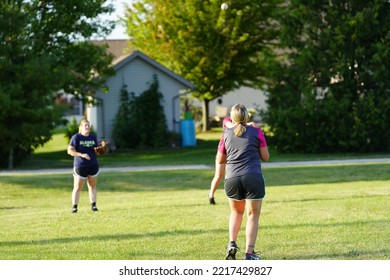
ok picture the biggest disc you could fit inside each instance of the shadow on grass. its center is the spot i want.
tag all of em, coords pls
(338, 198)
(325, 225)
(350, 255)
(11, 208)
(117, 237)
(203, 153)
(58, 159)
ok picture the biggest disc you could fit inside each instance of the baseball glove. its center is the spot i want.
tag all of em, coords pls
(102, 148)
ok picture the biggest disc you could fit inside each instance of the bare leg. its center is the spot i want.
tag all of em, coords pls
(77, 186)
(237, 209)
(252, 224)
(92, 181)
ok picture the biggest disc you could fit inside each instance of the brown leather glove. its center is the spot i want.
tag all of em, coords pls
(102, 148)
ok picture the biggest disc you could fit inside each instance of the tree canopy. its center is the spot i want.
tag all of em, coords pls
(217, 50)
(44, 50)
(330, 89)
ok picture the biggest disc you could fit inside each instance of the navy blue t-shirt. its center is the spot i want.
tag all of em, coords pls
(85, 145)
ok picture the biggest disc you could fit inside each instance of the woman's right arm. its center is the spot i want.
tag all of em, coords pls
(221, 158)
(72, 151)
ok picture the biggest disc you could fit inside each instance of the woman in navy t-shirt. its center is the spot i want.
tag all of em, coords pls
(85, 165)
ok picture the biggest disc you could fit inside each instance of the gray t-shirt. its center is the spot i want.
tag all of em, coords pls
(242, 153)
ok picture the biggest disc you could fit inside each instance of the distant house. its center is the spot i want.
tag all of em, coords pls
(251, 98)
(135, 71)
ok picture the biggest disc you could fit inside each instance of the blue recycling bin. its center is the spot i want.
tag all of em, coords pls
(187, 130)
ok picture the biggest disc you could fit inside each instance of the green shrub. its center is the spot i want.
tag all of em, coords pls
(140, 121)
(72, 128)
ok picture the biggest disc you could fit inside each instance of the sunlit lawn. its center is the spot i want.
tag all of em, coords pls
(329, 212)
(53, 154)
(325, 212)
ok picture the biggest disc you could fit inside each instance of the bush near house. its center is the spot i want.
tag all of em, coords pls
(140, 121)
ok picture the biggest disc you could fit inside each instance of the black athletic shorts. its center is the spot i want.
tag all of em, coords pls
(85, 172)
(250, 187)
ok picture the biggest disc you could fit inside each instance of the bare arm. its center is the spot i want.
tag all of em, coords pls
(264, 154)
(252, 124)
(221, 158)
(72, 151)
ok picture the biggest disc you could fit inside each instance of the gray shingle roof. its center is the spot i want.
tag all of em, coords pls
(123, 55)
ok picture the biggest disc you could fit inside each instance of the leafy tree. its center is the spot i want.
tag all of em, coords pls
(330, 89)
(43, 51)
(217, 50)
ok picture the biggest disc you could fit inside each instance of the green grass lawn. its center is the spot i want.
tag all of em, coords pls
(310, 212)
(325, 212)
(53, 155)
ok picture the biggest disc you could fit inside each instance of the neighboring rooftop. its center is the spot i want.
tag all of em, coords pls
(118, 48)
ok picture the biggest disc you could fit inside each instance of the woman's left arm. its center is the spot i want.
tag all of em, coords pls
(263, 149)
(264, 154)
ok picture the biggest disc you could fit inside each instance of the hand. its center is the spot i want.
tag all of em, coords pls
(86, 156)
(252, 124)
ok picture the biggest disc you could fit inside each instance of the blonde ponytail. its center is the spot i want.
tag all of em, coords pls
(239, 115)
(239, 130)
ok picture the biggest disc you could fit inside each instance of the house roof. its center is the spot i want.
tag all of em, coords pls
(137, 54)
(120, 50)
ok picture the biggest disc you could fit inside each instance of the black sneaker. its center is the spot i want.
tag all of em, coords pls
(231, 250)
(74, 210)
(252, 256)
(94, 208)
(212, 200)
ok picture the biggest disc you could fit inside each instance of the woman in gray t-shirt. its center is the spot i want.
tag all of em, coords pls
(243, 147)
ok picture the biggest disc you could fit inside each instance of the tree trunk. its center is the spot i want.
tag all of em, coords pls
(205, 115)
(11, 158)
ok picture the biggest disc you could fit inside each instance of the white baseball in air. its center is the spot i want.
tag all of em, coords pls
(224, 6)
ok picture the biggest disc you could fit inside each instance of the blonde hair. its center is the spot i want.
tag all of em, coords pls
(81, 122)
(239, 114)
